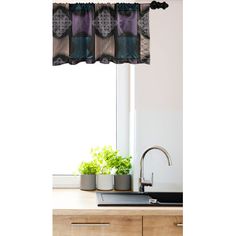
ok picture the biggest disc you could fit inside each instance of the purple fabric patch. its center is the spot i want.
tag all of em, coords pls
(127, 24)
(82, 24)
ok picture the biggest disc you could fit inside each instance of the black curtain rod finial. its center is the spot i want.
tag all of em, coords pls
(156, 5)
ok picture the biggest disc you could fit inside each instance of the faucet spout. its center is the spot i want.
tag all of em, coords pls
(142, 181)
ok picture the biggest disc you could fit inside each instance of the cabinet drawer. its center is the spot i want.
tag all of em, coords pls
(162, 226)
(97, 226)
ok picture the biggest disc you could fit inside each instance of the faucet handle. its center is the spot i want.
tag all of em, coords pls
(145, 182)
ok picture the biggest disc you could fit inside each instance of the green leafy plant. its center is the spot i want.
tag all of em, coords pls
(88, 168)
(109, 159)
(104, 157)
(122, 165)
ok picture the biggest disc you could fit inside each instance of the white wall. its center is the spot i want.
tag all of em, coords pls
(158, 100)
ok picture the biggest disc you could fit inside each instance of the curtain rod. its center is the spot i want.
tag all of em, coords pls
(156, 5)
(153, 5)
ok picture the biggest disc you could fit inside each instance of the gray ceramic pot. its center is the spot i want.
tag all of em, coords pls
(122, 182)
(87, 182)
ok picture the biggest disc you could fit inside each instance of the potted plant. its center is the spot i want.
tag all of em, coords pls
(88, 171)
(122, 177)
(103, 156)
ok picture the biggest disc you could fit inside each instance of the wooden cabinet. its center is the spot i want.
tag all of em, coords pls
(162, 225)
(97, 225)
(117, 225)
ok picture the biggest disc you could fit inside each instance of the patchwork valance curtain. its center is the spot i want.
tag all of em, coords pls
(91, 32)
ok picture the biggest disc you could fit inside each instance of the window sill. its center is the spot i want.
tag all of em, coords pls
(65, 181)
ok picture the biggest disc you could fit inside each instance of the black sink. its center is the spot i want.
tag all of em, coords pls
(168, 198)
(139, 199)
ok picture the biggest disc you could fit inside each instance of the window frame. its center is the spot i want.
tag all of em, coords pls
(122, 125)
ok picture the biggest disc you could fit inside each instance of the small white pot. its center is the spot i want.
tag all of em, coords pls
(105, 182)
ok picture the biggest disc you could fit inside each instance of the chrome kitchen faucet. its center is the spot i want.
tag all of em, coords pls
(142, 181)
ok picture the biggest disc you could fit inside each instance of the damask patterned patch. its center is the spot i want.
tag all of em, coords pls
(104, 21)
(143, 24)
(61, 22)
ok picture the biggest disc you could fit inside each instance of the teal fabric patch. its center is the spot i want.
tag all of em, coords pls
(81, 47)
(127, 47)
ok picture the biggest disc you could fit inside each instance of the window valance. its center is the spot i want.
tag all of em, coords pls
(106, 33)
